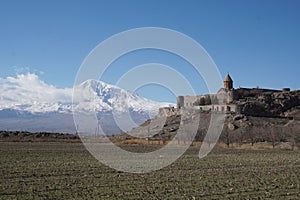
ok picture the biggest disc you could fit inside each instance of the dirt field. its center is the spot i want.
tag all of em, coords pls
(68, 171)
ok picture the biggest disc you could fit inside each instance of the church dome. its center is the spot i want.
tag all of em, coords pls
(228, 78)
(228, 82)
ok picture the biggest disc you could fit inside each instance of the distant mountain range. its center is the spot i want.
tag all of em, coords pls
(27, 103)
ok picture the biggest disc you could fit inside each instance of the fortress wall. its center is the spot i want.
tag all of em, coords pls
(191, 102)
(168, 111)
(219, 108)
(186, 101)
(225, 108)
(242, 93)
(204, 108)
(180, 101)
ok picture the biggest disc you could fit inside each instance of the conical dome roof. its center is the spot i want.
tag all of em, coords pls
(228, 78)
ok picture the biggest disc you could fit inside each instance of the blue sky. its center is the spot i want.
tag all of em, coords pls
(258, 42)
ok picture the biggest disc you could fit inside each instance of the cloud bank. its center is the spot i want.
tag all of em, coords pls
(28, 89)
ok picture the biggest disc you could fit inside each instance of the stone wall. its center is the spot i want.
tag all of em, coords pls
(168, 111)
(243, 93)
(220, 108)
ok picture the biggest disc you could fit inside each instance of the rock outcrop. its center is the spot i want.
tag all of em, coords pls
(269, 104)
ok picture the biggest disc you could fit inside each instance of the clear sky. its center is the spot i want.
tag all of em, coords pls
(258, 42)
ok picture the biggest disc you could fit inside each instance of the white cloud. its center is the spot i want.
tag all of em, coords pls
(27, 92)
(29, 89)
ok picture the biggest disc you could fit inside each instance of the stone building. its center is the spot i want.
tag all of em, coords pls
(248, 101)
(220, 102)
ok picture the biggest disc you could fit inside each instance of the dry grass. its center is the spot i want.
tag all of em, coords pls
(249, 146)
(68, 171)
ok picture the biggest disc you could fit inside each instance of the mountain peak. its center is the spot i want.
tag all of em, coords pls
(23, 98)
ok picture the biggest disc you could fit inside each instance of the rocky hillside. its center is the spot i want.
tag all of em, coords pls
(269, 104)
(238, 128)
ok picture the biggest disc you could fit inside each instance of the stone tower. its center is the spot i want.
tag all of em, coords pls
(228, 83)
(180, 101)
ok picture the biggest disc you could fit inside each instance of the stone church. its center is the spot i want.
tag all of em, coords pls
(223, 101)
(249, 101)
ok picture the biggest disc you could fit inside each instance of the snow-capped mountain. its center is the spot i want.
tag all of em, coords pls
(28, 103)
(103, 97)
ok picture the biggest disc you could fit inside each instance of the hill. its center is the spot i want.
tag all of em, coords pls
(238, 129)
